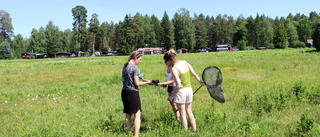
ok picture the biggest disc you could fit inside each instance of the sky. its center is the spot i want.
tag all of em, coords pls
(29, 14)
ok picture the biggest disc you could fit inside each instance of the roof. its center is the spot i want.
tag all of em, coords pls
(156, 48)
(28, 53)
(63, 53)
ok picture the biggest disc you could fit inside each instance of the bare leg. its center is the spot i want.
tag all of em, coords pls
(191, 116)
(128, 123)
(175, 110)
(137, 121)
(182, 110)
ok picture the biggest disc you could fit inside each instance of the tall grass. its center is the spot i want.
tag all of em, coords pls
(268, 93)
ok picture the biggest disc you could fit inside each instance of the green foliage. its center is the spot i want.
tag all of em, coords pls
(280, 37)
(137, 31)
(298, 44)
(316, 37)
(243, 44)
(157, 28)
(32, 57)
(6, 50)
(241, 34)
(79, 14)
(53, 37)
(184, 30)
(304, 29)
(6, 25)
(201, 31)
(305, 124)
(292, 34)
(167, 37)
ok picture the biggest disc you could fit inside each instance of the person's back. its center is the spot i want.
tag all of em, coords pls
(184, 73)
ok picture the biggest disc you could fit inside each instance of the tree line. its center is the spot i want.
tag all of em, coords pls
(140, 31)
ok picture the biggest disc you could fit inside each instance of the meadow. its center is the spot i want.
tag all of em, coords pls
(268, 93)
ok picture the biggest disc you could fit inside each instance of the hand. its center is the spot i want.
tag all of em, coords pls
(170, 98)
(164, 86)
(150, 83)
(202, 83)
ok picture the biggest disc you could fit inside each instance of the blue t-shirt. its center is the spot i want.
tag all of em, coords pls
(127, 77)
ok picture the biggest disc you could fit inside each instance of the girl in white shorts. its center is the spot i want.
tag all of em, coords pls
(183, 93)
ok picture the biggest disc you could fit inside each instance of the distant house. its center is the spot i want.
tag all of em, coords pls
(150, 51)
(62, 55)
(36, 55)
(310, 43)
(223, 47)
(182, 50)
(205, 49)
(27, 55)
(75, 54)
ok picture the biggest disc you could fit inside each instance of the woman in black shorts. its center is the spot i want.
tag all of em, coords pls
(130, 91)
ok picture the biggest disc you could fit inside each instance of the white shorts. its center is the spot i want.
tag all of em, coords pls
(184, 95)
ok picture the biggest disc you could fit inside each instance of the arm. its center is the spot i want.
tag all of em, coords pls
(178, 84)
(167, 83)
(138, 83)
(164, 84)
(195, 75)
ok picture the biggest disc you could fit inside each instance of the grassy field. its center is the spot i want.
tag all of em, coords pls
(268, 93)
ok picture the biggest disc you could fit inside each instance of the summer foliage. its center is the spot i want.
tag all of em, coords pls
(268, 93)
(181, 30)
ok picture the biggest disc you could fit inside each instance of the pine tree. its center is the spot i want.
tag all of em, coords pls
(18, 46)
(292, 33)
(280, 37)
(127, 36)
(184, 30)
(157, 30)
(304, 29)
(138, 31)
(5, 25)
(94, 29)
(167, 34)
(34, 42)
(316, 37)
(211, 32)
(149, 37)
(201, 30)
(53, 37)
(6, 50)
(79, 14)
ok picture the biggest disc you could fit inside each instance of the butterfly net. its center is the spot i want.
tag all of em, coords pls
(213, 78)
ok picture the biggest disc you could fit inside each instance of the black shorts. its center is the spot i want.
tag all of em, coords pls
(170, 89)
(131, 101)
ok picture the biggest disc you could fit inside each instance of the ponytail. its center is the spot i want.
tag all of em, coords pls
(132, 56)
(170, 55)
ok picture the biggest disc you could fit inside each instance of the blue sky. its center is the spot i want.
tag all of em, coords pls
(29, 14)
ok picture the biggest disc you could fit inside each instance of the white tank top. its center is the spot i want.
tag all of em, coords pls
(169, 77)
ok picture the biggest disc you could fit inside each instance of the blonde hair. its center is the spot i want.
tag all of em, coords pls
(133, 55)
(170, 55)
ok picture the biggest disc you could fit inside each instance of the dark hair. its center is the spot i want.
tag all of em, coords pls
(170, 55)
(132, 56)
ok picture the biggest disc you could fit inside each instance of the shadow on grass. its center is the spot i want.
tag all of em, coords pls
(311, 51)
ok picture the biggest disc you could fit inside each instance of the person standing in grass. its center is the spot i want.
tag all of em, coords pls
(130, 92)
(183, 93)
(170, 84)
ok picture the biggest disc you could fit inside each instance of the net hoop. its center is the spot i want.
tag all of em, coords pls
(215, 90)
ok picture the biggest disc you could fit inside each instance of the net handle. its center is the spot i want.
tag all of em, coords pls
(203, 78)
(197, 90)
